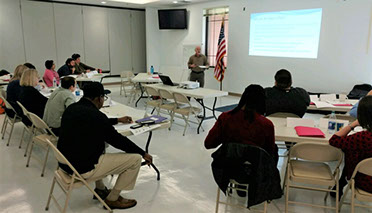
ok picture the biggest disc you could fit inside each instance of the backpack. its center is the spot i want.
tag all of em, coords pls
(359, 91)
(2, 106)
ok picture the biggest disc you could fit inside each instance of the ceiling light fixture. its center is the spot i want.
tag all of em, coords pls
(175, 2)
(136, 1)
(103, 2)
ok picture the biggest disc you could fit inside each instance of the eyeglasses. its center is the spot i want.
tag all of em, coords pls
(105, 97)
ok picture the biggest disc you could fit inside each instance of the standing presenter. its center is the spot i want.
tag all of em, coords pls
(198, 63)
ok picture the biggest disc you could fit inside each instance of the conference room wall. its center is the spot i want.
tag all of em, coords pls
(69, 33)
(12, 50)
(39, 34)
(56, 30)
(344, 57)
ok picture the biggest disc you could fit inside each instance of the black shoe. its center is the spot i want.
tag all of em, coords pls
(103, 193)
(200, 116)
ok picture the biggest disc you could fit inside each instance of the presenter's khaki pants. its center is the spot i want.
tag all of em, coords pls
(199, 77)
(125, 165)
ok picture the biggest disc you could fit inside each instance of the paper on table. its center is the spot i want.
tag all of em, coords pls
(314, 98)
(144, 129)
(322, 104)
(122, 127)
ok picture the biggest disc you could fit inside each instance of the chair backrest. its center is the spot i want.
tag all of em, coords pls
(152, 92)
(7, 104)
(180, 98)
(293, 122)
(284, 115)
(318, 152)
(364, 166)
(126, 74)
(24, 110)
(61, 158)
(40, 124)
(165, 94)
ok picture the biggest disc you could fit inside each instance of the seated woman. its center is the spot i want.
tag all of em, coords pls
(245, 124)
(50, 74)
(30, 97)
(14, 89)
(356, 147)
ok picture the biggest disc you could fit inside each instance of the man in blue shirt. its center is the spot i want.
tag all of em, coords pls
(354, 111)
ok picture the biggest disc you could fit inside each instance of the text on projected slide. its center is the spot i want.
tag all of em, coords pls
(285, 33)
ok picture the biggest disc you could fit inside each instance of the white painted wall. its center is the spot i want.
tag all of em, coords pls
(37, 31)
(344, 58)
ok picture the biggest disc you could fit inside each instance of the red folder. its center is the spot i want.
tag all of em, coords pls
(305, 131)
(342, 104)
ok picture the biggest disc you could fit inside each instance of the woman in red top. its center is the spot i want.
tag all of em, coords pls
(356, 147)
(245, 124)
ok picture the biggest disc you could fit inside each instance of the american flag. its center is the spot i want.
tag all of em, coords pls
(219, 69)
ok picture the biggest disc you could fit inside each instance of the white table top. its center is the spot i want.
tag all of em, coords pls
(284, 133)
(96, 77)
(194, 93)
(119, 110)
(335, 108)
(146, 78)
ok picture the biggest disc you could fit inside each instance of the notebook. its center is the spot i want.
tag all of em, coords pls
(155, 118)
(304, 131)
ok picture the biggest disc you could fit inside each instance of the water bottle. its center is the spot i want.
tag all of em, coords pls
(332, 123)
(54, 82)
(77, 91)
(152, 70)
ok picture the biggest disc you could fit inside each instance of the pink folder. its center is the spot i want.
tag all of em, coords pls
(312, 103)
(305, 131)
(342, 105)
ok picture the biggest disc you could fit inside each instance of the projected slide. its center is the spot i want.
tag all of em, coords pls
(286, 33)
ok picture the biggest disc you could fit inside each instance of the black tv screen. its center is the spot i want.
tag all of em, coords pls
(172, 19)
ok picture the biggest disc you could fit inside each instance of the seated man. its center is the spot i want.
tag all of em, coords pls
(285, 98)
(84, 131)
(79, 66)
(68, 68)
(354, 111)
(58, 101)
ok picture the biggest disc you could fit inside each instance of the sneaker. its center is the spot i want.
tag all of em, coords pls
(121, 203)
(103, 193)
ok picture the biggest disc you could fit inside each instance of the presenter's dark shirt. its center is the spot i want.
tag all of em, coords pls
(295, 100)
(200, 60)
(84, 131)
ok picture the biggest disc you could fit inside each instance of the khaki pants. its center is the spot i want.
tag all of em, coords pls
(125, 165)
(199, 77)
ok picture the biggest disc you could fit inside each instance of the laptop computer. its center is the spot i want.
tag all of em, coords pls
(167, 81)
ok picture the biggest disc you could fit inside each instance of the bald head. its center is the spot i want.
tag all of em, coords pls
(197, 50)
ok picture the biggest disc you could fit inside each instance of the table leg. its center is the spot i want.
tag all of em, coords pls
(141, 96)
(147, 151)
(200, 101)
(214, 106)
